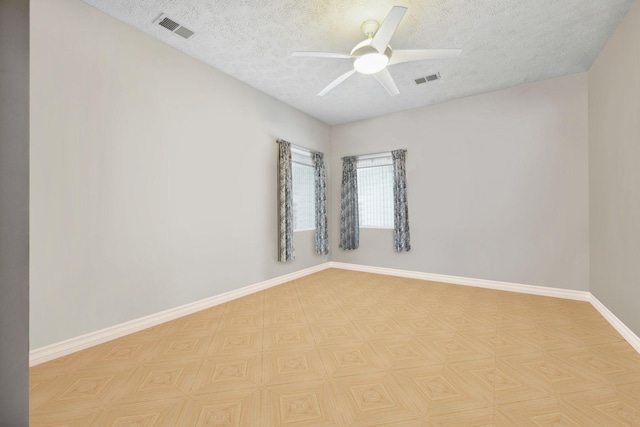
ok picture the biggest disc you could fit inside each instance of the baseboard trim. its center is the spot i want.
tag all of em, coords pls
(617, 324)
(64, 348)
(467, 281)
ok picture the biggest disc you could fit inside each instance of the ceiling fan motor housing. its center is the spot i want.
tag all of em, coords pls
(365, 48)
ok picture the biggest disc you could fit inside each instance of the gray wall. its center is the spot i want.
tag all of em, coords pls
(153, 176)
(614, 172)
(497, 185)
(14, 213)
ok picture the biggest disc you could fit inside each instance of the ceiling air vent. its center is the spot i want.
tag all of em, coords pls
(184, 32)
(173, 26)
(430, 78)
(169, 24)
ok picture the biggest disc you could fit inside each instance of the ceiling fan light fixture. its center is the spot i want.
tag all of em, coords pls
(371, 63)
(373, 55)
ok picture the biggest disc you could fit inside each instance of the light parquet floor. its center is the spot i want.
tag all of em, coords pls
(343, 348)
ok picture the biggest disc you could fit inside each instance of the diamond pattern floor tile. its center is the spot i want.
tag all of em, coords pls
(344, 348)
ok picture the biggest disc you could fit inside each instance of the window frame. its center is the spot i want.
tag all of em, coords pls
(303, 157)
(368, 161)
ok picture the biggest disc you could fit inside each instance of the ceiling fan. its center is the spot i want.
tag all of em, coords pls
(373, 55)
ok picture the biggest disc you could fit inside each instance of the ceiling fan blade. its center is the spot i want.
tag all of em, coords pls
(406, 55)
(322, 55)
(389, 25)
(336, 82)
(387, 82)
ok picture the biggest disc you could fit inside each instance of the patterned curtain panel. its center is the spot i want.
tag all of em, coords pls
(349, 224)
(285, 203)
(322, 236)
(401, 237)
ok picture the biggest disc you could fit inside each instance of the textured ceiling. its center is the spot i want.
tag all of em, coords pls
(505, 43)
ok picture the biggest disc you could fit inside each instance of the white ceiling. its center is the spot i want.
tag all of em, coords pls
(505, 43)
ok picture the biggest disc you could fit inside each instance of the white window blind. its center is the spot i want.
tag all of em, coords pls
(304, 200)
(375, 191)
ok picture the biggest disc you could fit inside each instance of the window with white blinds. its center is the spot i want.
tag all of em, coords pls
(303, 182)
(375, 191)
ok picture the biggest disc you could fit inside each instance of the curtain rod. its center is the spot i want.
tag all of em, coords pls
(373, 155)
(299, 147)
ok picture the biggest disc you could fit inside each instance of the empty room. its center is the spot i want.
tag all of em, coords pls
(329, 213)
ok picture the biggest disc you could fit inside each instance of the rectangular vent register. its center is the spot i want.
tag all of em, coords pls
(173, 26)
(426, 79)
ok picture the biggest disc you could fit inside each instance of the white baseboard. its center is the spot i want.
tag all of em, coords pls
(622, 329)
(617, 324)
(467, 281)
(63, 348)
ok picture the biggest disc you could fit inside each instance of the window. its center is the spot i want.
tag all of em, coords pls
(303, 182)
(375, 191)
